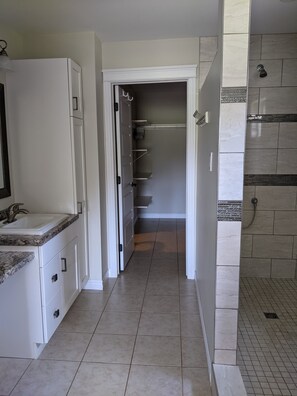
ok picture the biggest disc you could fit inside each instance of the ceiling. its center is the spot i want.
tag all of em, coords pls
(118, 20)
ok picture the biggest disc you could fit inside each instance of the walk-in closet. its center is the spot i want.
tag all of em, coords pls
(151, 152)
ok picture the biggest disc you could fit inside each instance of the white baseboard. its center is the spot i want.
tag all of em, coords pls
(162, 215)
(208, 358)
(94, 284)
(84, 282)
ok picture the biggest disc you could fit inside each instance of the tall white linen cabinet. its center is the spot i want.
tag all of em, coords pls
(45, 121)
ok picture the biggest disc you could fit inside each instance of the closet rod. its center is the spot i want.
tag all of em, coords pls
(160, 126)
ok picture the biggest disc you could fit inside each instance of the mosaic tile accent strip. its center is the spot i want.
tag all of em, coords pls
(270, 180)
(233, 95)
(229, 211)
(272, 118)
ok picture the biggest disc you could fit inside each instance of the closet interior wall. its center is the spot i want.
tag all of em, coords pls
(162, 108)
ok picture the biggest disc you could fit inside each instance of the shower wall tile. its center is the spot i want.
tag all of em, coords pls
(246, 245)
(260, 135)
(253, 267)
(289, 72)
(227, 289)
(226, 329)
(253, 100)
(267, 247)
(282, 100)
(255, 46)
(228, 243)
(285, 222)
(232, 125)
(260, 161)
(263, 222)
(223, 356)
(235, 55)
(248, 193)
(288, 135)
(276, 197)
(278, 46)
(236, 16)
(208, 48)
(230, 177)
(274, 73)
(287, 161)
(283, 268)
(272, 246)
(204, 68)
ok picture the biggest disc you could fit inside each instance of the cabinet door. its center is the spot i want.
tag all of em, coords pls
(75, 89)
(50, 280)
(70, 284)
(81, 196)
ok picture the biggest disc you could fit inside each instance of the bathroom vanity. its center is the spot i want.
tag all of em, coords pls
(39, 281)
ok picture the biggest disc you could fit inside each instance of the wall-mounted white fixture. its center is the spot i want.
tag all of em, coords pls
(202, 119)
(5, 62)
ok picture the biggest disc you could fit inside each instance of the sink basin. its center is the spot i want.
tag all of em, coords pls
(32, 224)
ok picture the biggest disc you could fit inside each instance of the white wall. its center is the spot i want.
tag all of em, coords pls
(163, 104)
(81, 48)
(150, 53)
(100, 118)
(208, 138)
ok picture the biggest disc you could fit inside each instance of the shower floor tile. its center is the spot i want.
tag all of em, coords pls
(267, 346)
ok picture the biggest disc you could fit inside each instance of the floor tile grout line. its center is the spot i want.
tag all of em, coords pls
(91, 338)
(32, 360)
(179, 303)
(141, 310)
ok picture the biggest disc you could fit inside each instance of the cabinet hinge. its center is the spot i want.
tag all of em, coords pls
(116, 107)
(118, 179)
(121, 247)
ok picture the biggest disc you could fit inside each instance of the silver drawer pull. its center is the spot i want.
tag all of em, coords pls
(64, 265)
(55, 278)
(56, 314)
(75, 103)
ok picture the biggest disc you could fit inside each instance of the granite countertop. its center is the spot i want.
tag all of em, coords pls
(36, 240)
(11, 262)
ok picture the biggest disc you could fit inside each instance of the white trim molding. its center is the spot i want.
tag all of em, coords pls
(111, 77)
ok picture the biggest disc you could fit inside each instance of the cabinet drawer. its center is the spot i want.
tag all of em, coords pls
(53, 315)
(51, 279)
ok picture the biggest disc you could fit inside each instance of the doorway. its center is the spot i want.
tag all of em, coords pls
(111, 78)
(151, 156)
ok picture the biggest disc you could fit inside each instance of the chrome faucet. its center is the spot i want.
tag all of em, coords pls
(13, 210)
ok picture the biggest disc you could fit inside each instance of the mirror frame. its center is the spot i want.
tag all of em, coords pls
(5, 191)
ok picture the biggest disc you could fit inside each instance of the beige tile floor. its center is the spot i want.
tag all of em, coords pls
(141, 336)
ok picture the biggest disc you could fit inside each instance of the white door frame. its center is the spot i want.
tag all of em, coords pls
(113, 77)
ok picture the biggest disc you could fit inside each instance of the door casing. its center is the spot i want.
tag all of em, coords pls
(111, 77)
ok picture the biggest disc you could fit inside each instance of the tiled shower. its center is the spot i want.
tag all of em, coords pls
(267, 345)
(269, 245)
(267, 325)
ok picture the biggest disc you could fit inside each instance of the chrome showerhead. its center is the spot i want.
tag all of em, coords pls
(262, 71)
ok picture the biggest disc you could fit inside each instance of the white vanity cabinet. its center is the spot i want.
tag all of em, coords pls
(34, 300)
(59, 278)
(45, 115)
